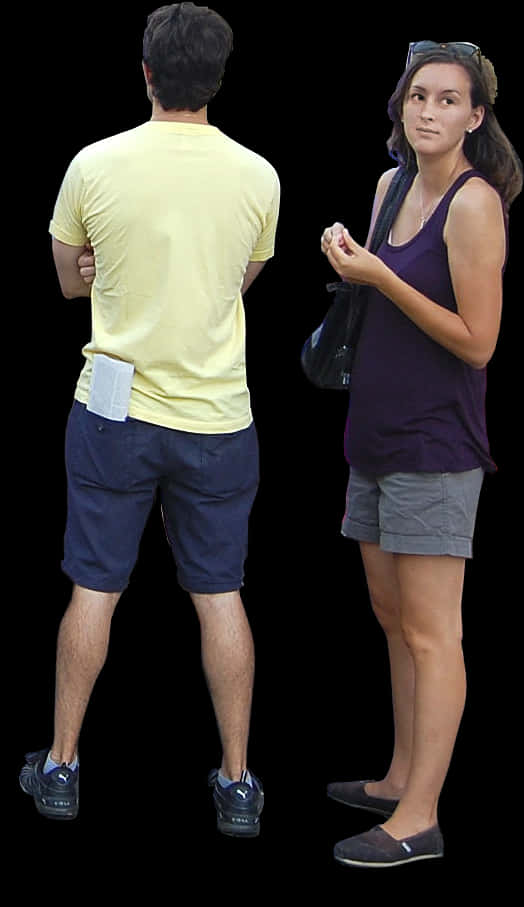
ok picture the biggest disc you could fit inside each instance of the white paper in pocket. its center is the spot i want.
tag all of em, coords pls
(110, 390)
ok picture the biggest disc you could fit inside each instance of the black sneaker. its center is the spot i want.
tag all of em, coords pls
(238, 805)
(55, 793)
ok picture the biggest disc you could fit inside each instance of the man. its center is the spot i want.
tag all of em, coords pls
(180, 219)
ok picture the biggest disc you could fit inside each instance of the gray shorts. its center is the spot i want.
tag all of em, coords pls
(414, 513)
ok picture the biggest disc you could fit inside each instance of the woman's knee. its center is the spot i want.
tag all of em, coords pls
(431, 603)
(386, 608)
(437, 638)
(382, 586)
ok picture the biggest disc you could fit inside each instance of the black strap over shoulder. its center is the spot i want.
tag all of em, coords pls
(328, 354)
(396, 191)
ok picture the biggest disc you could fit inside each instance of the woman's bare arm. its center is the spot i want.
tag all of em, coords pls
(475, 238)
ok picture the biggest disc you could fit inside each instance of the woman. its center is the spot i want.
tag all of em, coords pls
(416, 436)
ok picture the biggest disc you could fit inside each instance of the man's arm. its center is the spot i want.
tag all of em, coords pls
(71, 281)
(265, 245)
(83, 262)
(253, 270)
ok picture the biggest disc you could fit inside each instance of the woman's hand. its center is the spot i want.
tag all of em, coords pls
(329, 235)
(351, 261)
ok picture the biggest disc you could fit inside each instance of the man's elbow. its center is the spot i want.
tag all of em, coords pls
(67, 293)
(252, 271)
(73, 290)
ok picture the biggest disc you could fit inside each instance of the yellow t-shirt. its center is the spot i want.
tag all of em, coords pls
(174, 213)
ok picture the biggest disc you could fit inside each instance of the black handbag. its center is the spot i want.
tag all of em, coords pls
(328, 354)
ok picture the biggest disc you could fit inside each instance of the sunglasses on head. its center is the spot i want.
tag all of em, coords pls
(462, 48)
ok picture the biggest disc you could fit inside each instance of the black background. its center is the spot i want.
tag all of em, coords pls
(307, 90)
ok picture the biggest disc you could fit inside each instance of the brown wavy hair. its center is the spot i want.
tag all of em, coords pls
(488, 148)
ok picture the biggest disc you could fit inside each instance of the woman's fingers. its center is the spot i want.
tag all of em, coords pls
(329, 235)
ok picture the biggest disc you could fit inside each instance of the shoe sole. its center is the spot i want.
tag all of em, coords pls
(60, 815)
(236, 830)
(50, 812)
(374, 865)
(369, 809)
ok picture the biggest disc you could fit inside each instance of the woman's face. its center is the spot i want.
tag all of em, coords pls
(437, 109)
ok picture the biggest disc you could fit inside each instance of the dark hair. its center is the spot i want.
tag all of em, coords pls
(488, 149)
(186, 48)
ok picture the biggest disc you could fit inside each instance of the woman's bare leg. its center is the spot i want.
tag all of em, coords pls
(431, 597)
(382, 580)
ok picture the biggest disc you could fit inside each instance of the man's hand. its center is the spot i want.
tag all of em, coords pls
(86, 265)
(66, 258)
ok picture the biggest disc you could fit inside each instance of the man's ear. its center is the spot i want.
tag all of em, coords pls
(148, 75)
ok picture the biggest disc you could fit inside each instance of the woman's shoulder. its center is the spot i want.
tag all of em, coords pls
(380, 193)
(476, 200)
(385, 180)
(382, 188)
(476, 211)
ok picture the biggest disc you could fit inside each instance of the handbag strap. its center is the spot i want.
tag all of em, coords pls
(391, 202)
(397, 189)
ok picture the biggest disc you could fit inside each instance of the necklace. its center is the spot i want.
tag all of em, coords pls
(424, 217)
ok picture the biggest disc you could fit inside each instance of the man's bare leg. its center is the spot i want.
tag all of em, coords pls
(228, 660)
(83, 641)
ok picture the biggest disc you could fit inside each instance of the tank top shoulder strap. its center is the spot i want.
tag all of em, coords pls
(439, 217)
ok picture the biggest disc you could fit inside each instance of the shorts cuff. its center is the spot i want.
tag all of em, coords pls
(360, 532)
(207, 588)
(95, 584)
(428, 544)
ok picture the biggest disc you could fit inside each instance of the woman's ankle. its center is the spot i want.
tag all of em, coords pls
(385, 788)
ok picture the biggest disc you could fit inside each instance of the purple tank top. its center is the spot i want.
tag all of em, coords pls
(414, 406)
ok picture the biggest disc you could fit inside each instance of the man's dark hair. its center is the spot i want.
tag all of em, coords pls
(186, 48)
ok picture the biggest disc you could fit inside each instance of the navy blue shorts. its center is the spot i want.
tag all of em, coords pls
(206, 483)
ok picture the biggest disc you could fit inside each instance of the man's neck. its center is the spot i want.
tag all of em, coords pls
(179, 116)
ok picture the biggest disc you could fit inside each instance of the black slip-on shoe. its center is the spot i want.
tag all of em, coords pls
(55, 793)
(352, 793)
(238, 806)
(376, 849)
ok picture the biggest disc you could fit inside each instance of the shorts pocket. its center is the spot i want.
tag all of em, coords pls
(100, 451)
(462, 497)
(413, 504)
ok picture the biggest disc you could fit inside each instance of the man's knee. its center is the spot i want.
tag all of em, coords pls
(206, 602)
(100, 602)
